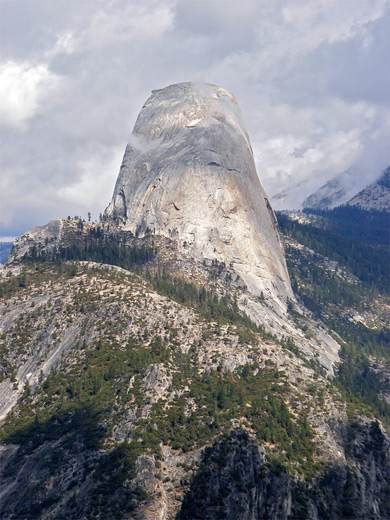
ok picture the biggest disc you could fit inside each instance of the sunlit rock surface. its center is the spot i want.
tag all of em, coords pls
(188, 173)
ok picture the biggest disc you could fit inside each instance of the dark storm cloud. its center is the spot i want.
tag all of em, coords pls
(311, 79)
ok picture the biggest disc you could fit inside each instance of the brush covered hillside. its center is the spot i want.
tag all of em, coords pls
(138, 383)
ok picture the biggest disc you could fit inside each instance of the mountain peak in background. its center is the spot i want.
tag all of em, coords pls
(337, 190)
(188, 174)
(349, 188)
(375, 196)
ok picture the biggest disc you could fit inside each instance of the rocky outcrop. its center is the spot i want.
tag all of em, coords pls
(39, 238)
(44, 240)
(235, 480)
(188, 173)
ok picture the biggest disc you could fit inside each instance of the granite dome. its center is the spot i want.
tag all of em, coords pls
(188, 173)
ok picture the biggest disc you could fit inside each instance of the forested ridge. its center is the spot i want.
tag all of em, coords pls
(334, 295)
(367, 227)
(369, 263)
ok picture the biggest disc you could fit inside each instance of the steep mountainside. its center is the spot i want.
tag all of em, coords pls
(350, 294)
(106, 243)
(376, 196)
(157, 365)
(336, 191)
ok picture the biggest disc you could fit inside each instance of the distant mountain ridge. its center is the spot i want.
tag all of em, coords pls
(375, 196)
(343, 190)
(337, 190)
(5, 250)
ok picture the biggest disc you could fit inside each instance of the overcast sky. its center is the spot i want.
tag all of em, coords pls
(312, 79)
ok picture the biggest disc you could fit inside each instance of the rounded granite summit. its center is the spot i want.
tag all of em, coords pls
(188, 173)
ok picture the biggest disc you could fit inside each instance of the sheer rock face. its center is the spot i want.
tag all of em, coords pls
(188, 173)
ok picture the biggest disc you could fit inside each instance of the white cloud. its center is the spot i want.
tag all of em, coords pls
(34, 199)
(116, 23)
(331, 21)
(24, 89)
(307, 146)
(65, 44)
(98, 168)
(288, 32)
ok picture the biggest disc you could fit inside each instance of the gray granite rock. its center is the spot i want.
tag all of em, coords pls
(188, 173)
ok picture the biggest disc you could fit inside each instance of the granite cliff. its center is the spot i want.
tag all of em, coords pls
(189, 174)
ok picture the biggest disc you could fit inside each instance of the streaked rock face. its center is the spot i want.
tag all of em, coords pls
(188, 173)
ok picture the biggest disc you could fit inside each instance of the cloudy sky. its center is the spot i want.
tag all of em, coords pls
(312, 79)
